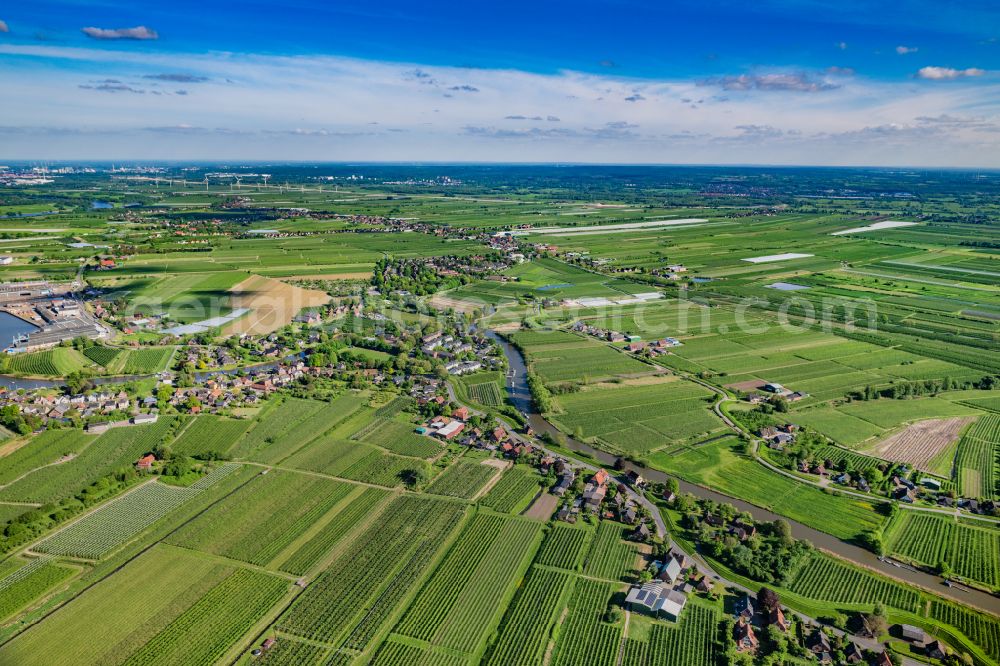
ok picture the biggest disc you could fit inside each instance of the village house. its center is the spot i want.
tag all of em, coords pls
(743, 634)
(818, 643)
(743, 608)
(853, 654)
(776, 618)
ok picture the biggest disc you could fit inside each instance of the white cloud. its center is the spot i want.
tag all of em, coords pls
(947, 73)
(904, 50)
(772, 82)
(140, 32)
(4, 27)
(370, 110)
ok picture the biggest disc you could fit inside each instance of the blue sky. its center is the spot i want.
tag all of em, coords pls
(770, 81)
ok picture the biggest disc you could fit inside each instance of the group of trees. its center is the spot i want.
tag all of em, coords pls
(763, 551)
(903, 390)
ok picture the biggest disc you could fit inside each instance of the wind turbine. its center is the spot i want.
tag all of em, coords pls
(206, 182)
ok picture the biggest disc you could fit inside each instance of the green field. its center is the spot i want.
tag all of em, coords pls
(461, 604)
(44, 449)
(971, 552)
(976, 459)
(210, 434)
(263, 517)
(350, 601)
(559, 357)
(29, 581)
(693, 642)
(115, 448)
(564, 547)
(610, 556)
(525, 628)
(463, 479)
(719, 466)
(192, 608)
(114, 523)
(585, 638)
(513, 492)
(638, 419)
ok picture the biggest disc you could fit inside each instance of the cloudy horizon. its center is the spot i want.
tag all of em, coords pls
(129, 87)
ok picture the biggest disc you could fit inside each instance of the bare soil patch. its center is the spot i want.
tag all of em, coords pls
(272, 304)
(543, 507)
(918, 444)
(443, 302)
(750, 385)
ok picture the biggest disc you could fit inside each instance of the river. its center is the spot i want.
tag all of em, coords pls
(517, 387)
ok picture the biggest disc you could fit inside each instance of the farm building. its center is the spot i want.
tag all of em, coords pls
(912, 634)
(451, 429)
(145, 462)
(656, 598)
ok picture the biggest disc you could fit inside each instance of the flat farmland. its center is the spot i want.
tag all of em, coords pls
(113, 449)
(585, 639)
(976, 458)
(301, 425)
(610, 556)
(352, 599)
(185, 297)
(972, 552)
(857, 424)
(192, 610)
(210, 434)
(693, 641)
(564, 547)
(120, 520)
(398, 654)
(515, 489)
(525, 629)
(463, 479)
(821, 364)
(462, 602)
(718, 465)
(827, 579)
(259, 520)
(398, 436)
(273, 424)
(639, 419)
(925, 445)
(46, 448)
(329, 455)
(359, 507)
(57, 362)
(549, 278)
(565, 357)
(144, 361)
(24, 585)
